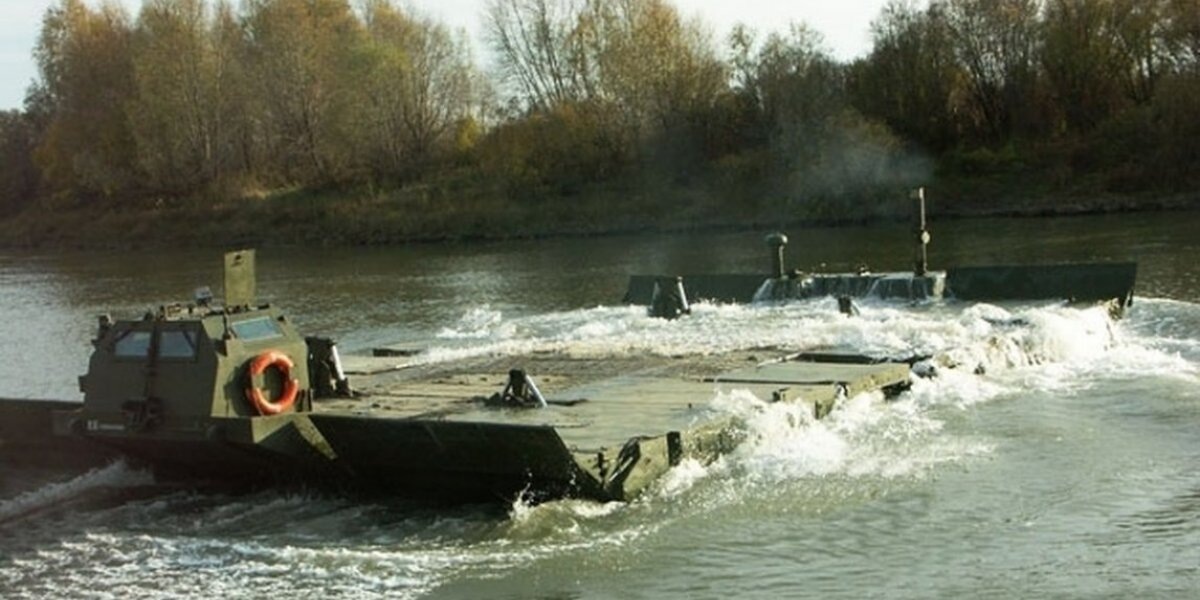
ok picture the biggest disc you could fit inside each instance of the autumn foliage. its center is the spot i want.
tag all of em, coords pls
(197, 101)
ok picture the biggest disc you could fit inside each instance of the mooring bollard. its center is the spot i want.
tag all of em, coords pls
(669, 300)
(846, 306)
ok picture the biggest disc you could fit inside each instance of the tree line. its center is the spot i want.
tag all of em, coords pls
(198, 100)
(1100, 89)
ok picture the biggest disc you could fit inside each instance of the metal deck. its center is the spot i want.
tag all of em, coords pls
(624, 420)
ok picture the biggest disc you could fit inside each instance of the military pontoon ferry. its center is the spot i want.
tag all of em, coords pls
(1110, 283)
(233, 393)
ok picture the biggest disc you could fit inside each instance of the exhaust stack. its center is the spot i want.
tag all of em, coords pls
(776, 242)
(920, 233)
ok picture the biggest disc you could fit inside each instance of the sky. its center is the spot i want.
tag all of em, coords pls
(845, 25)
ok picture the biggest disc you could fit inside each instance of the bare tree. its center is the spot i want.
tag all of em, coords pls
(1183, 33)
(419, 85)
(996, 43)
(1081, 62)
(539, 48)
(911, 78)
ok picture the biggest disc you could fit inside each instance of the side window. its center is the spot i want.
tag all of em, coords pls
(133, 344)
(177, 344)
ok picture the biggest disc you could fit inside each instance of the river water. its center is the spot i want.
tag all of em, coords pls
(1069, 468)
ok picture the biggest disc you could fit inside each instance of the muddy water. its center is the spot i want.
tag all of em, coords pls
(1069, 468)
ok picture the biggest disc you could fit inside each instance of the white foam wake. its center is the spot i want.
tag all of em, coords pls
(117, 474)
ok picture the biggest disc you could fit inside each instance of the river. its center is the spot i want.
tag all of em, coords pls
(1070, 467)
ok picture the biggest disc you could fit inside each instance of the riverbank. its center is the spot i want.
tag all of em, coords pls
(429, 213)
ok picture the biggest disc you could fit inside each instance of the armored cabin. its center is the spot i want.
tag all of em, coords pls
(166, 386)
(168, 370)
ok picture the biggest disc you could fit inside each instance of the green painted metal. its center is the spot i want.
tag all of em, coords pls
(1087, 282)
(1094, 282)
(169, 391)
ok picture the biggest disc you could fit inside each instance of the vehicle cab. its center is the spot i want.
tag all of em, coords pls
(174, 370)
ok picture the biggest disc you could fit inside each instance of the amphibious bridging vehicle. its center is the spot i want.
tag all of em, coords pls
(234, 393)
(1111, 283)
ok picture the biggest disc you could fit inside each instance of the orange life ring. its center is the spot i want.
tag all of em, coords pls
(279, 360)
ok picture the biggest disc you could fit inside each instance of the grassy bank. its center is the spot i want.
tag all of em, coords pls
(457, 210)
